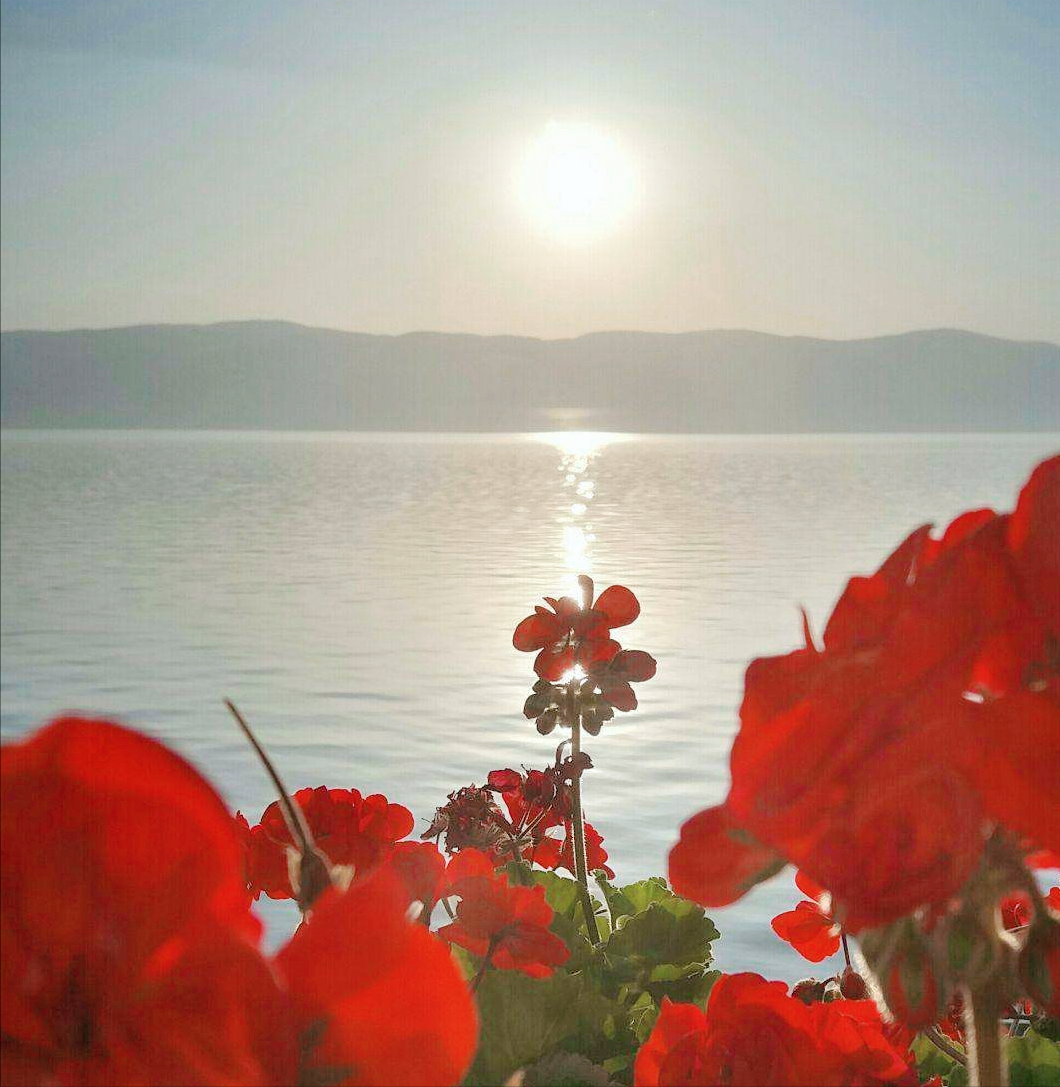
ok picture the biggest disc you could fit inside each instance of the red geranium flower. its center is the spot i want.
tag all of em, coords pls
(754, 1033)
(127, 952)
(879, 763)
(507, 925)
(571, 633)
(127, 947)
(375, 999)
(810, 927)
(349, 829)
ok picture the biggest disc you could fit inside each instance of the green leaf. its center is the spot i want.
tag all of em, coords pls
(641, 895)
(931, 1061)
(1033, 1061)
(522, 1019)
(674, 931)
(563, 1069)
(519, 873)
(562, 894)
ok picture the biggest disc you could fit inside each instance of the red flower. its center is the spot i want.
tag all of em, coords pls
(375, 999)
(127, 952)
(571, 634)
(348, 829)
(127, 949)
(810, 927)
(507, 925)
(754, 1033)
(421, 868)
(879, 763)
(1053, 900)
(558, 853)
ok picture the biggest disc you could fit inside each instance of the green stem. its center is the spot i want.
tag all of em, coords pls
(581, 869)
(982, 1032)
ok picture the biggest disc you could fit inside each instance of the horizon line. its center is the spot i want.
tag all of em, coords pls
(516, 336)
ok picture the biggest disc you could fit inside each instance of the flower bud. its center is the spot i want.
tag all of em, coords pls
(852, 985)
(810, 991)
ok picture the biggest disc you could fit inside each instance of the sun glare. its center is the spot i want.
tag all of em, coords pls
(576, 181)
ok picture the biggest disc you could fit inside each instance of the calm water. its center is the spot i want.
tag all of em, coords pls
(356, 596)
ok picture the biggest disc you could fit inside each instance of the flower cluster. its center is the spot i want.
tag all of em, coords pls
(582, 670)
(353, 832)
(535, 804)
(130, 955)
(907, 766)
(754, 1033)
(505, 925)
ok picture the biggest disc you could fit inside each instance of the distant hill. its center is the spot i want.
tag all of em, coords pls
(277, 375)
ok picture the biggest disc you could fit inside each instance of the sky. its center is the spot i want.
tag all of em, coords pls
(814, 168)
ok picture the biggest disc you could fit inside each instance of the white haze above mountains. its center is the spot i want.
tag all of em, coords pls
(278, 375)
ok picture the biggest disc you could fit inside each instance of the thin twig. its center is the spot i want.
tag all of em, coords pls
(292, 814)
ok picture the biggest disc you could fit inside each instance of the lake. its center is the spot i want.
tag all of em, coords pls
(355, 595)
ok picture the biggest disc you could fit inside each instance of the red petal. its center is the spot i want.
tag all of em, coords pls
(597, 652)
(636, 666)
(619, 695)
(809, 887)
(467, 864)
(813, 935)
(619, 606)
(715, 863)
(1033, 531)
(504, 781)
(554, 666)
(536, 631)
(675, 1022)
(395, 1006)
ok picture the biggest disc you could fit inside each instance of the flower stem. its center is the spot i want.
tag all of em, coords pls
(941, 1042)
(982, 1031)
(581, 869)
(485, 964)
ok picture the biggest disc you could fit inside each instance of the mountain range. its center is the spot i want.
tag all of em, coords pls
(280, 375)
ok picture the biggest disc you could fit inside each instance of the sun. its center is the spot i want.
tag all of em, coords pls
(576, 181)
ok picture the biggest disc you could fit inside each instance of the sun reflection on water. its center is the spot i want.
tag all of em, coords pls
(578, 450)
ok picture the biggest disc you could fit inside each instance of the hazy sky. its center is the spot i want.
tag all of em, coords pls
(833, 169)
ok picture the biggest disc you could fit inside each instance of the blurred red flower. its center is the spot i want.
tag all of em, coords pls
(879, 763)
(127, 947)
(373, 998)
(128, 954)
(348, 829)
(754, 1033)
